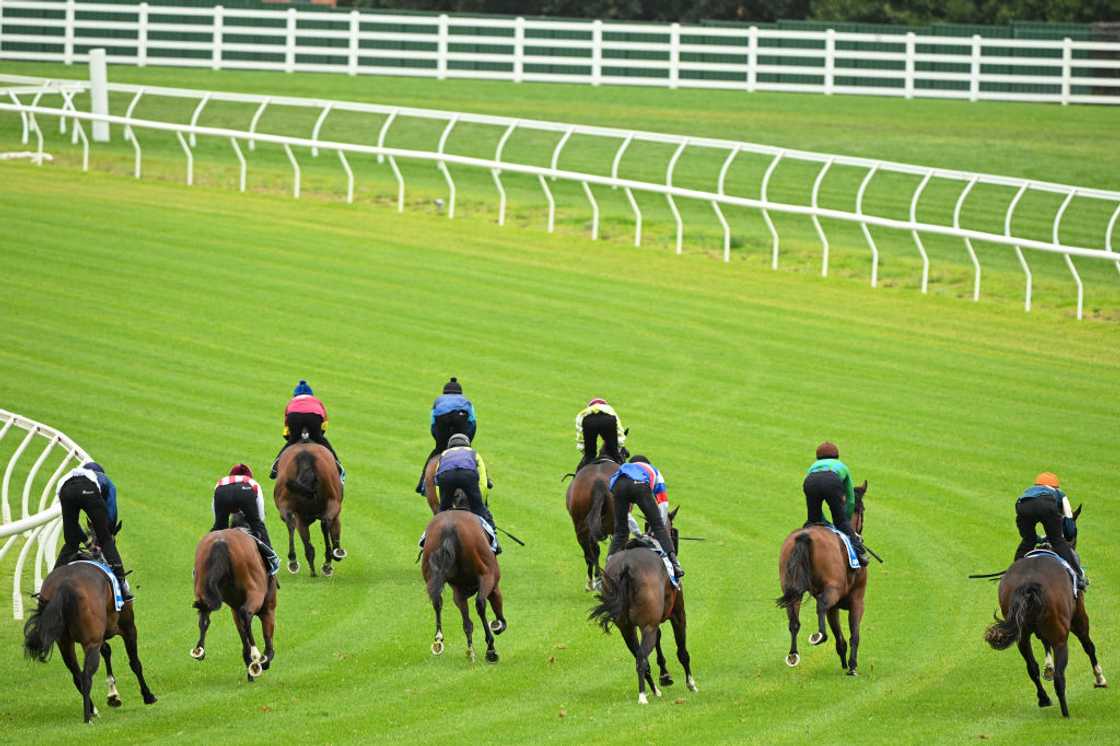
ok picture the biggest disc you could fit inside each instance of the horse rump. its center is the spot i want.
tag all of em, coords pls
(1023, 611)
(599, 491)
(798, 572)
(217, 567)
(47, 623)
(305, 479)
(441, 562)
(614, 602)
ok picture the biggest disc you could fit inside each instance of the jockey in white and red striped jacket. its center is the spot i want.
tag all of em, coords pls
(240, 493)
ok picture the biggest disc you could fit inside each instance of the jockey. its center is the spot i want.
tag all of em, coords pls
(305, 412)
(598, 419)
(88, 489)
(240, 493)
(451, 413)
(1045, 503)
(639, 483)
(461, 467)
(829, 481)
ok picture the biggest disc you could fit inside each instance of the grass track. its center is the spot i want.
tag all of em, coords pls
(162, 327)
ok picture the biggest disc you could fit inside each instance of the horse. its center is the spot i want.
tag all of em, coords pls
(228, 567)
(457, 552)
(430, 493)
(76, 606)
(307, 489)
(814, 559)
(637, 595)
(591, 508)
(1036, 597)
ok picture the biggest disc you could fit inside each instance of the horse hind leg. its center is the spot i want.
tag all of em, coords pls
(793, 611)
(1032, 669)
(336, 539)
(485, 588)
(243, 617)
(293, 563)
(113, 698)
(679, 623)
(664, 678)
(70, 658)
(468, 625)
(1080, 629)
(127, 625)
(825, 601)
(645, 647)
(855, 619)
(199, 650)
(89, 668)
(499, 624)
(1061, 659)
(841, 644)
(328, 568)
(437, 641)
(308, 548)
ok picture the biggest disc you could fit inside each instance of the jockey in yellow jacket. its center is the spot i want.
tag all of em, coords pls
(599, 420)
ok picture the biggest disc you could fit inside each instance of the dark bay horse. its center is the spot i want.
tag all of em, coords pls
(228, 568)
(308, 489)
(430, 493)
(814, 559)
(591, 508)
(457, 552)
(1036, 598)
(76, 606)
(637, 597)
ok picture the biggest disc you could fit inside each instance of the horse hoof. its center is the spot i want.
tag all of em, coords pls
(255, 669)
(327, 571)
(852, 672)
(793, 659)
(491, 656)
(339, 553)
(692, 685)
(1100, 685)
(817, 638)
(293, 568)
(114, 701)
(96, 714)
(1045, 702)
(1048, 673)
(198, 653)
(497, 626)
(470, 654)
(643, 699)
(665, 679)
(656, 692)
(437, 647)
(150, 699)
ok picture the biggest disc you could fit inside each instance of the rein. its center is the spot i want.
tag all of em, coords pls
(988, 576)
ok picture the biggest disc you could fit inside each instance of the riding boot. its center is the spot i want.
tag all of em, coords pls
(677, 569)
(275, 464)
(861, 552)
(420, 482)
(341, 471)
(126, 592)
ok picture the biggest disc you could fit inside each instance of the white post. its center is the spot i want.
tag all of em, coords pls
(829, 61)
(441, 49)
(99, 92)
(752, 58)
(974, 71)
(355, 29)
(596, 52)
(142, 35)
(674, 55)
(290, 43)
(518, 50)
(1067, 68)
(68, 35)
(910, 48)
(216, 56)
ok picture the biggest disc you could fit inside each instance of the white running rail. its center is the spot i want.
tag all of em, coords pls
(39, 520)
(187, 133)
(746, 58)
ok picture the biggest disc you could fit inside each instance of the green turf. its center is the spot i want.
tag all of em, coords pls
(163, 327)
(1070, 145)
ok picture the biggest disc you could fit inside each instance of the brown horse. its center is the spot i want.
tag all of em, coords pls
(591, 508)
(457, 552)
(430, 493)
(76, 606)
(814, 559)
(308, 489)
(637, 596)
(1036, 597)
(228, 567)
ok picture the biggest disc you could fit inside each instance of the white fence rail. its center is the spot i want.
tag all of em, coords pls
(594, 52)
(715, 195)
(39, 521)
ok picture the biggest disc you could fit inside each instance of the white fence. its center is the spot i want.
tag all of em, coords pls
(520, 49)
(716, 195)
(39, 521)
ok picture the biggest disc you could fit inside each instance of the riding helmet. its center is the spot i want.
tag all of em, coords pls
(93, 466)
(302, 389)
(453, 386)
(458, 440)
(1048, 479)
(241, 470)
(828, 449)
(593, 402)
(637, 458)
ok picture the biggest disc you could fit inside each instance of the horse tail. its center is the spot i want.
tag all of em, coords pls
(797, 572)
(47, 623)
(614, 601)
(1024, 610)
(442, 561)
(599, 492)
(306, 479)
(217, 567)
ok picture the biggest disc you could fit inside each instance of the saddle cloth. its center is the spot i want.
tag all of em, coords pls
(648, 542)
(118, 599)
(486, 527)
(268, 554)
(853, 560)
(1055, 556)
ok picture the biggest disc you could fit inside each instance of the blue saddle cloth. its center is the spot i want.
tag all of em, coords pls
(1055, 556)
(118, 599)
(853, 560)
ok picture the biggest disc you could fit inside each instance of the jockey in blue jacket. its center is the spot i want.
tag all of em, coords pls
(639, 483)
(451, 413)
(88, 490)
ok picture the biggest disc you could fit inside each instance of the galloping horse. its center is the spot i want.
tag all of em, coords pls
(1036, 597)
(76, 606)
(308, 489)
(430, 493)
(591, 508)
(228, 567)
(814, 559)
(637, 595)
(457, 551)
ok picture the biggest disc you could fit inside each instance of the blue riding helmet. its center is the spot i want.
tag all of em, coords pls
(302, 389)
(93, 466)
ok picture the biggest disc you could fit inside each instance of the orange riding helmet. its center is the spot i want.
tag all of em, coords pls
(1047, 479)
